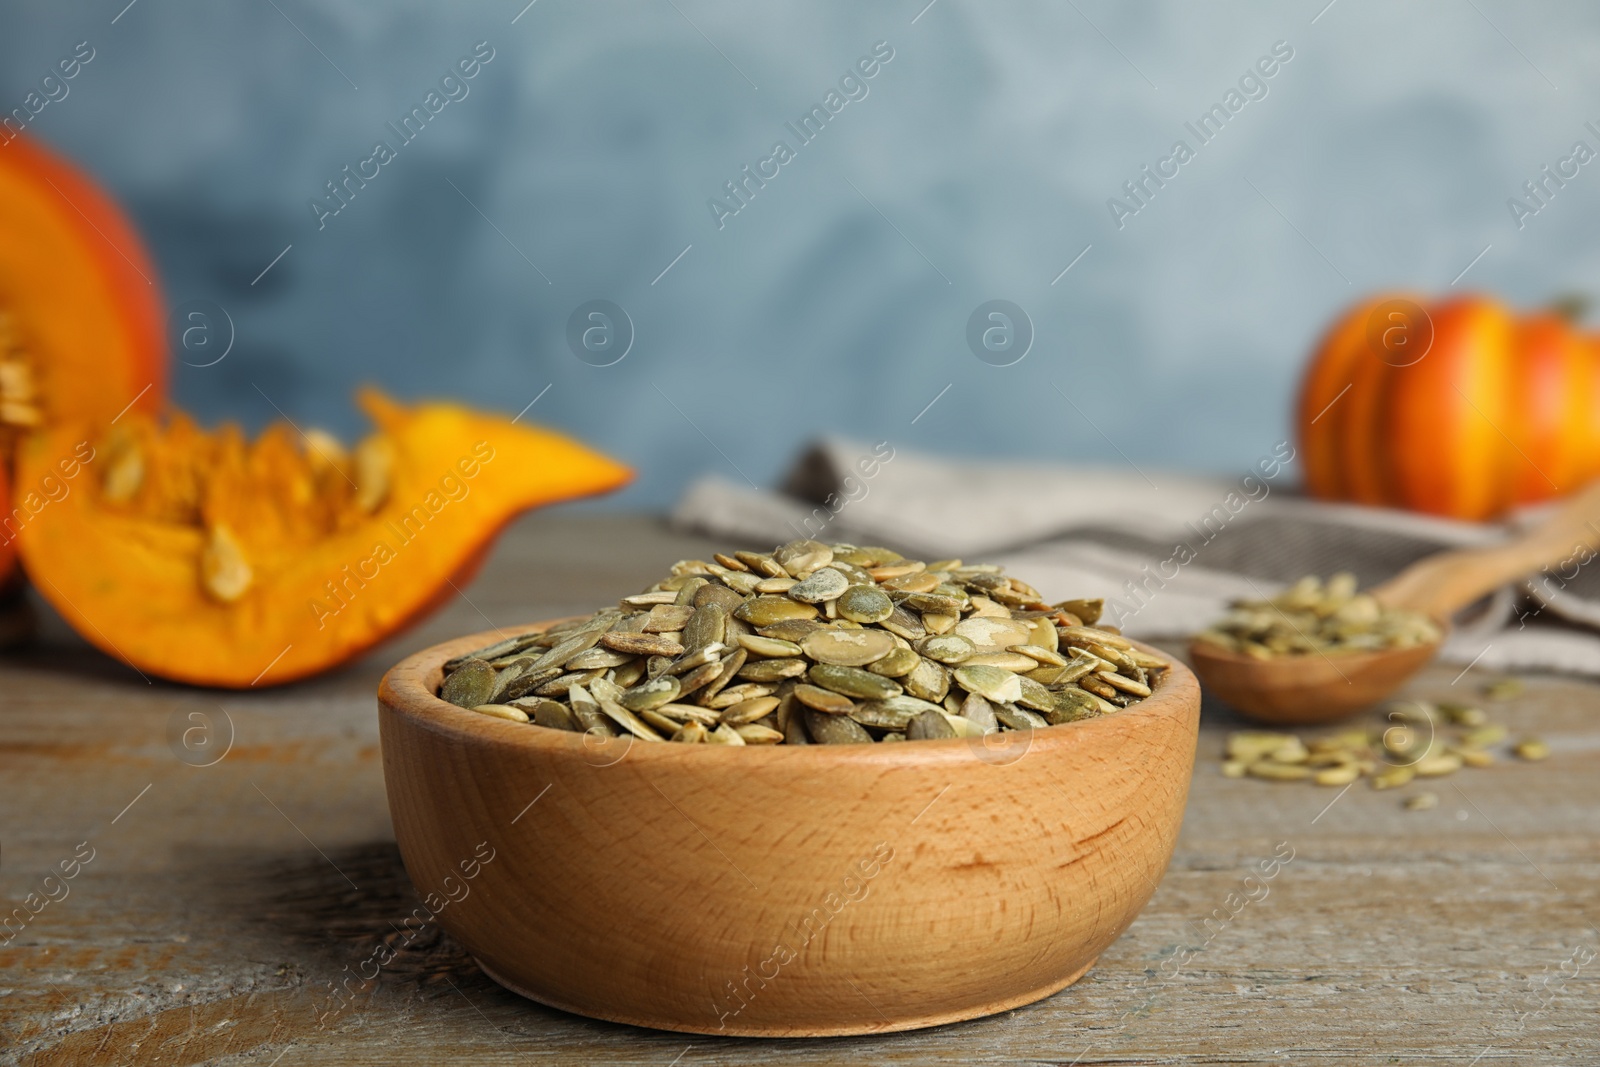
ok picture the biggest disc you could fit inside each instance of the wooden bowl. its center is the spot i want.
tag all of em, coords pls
(782, 891)
(1309, 689)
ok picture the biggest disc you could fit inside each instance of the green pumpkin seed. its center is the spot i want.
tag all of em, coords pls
(947, 648)
(991, 683)
(470, 685)
(801, 558)
(825, 700)
(651, 694)
(1019, 718)
(553, 715)
(927, 680)
(772, 670)
(930, 726)
(1035, 696)
(823, 584)
(904, 623)
(989, 634)
(978, 710)
(501, 711)
(715, 653)
(792, 630)
(1070, 705)
(853, 682)
(747, 711)
(767, 610)
(848, 648)
(865, 604)
(896, 664)
(828, 729)
(769, 647)
(891, 714)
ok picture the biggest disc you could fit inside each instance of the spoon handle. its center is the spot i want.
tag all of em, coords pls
(1443, 584)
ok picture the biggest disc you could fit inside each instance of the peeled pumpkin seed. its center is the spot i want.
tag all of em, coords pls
(749, 710)
(822, 584)
(865, 604)
(897, 664)
(470, 685)
(991, 683)
(770, 647)
(949, 648)
(828, 729)
(825, 700)
(651, 694)
(501, 711)
(756, 734)
(853, 682)
(847, 648)
(823, 644)
(766, 610)
(929, 726)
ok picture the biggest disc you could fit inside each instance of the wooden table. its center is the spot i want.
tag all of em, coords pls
(222, 901)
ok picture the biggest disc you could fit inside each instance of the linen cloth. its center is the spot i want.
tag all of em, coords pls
(1168, 551)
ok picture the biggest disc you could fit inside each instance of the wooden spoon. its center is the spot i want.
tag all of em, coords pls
(1315, 688)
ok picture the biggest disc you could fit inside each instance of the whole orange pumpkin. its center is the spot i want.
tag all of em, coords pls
(1457, 408)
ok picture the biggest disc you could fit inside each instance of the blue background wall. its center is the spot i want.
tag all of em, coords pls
(978, 167)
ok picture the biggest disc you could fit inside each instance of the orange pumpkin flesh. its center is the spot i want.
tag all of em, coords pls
(80, 313)
(1500, 411)
(203, 558)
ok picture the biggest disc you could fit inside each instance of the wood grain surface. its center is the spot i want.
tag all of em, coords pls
(223, 905)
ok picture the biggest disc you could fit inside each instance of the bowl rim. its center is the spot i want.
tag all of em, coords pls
(407, 689)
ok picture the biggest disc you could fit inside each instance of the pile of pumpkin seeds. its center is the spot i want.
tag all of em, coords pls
(1416, 739)
(813, 644)
(1313, 617)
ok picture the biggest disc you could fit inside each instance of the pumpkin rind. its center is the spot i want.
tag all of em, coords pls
(132, 584)
(79, 295)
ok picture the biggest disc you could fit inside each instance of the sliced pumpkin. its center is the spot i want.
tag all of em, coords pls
(205, 558)
(80, 310)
